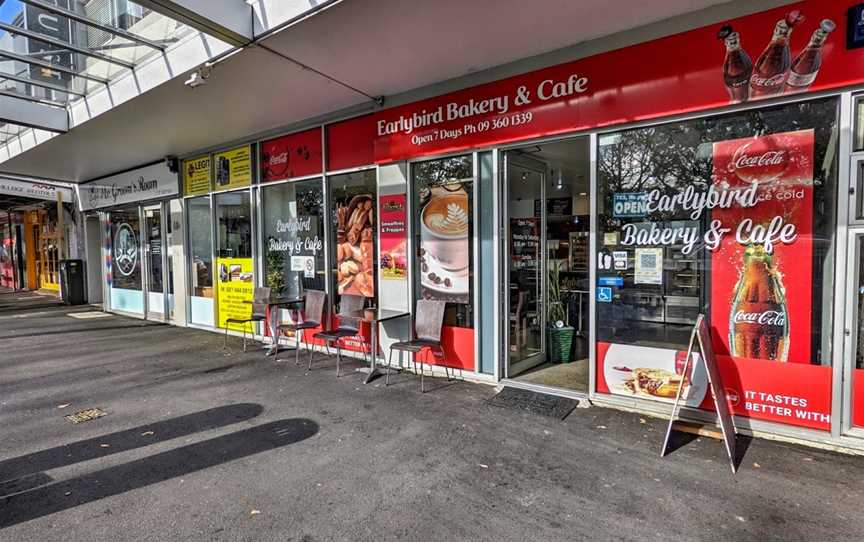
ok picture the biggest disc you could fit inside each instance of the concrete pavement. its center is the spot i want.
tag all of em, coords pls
(200, 445)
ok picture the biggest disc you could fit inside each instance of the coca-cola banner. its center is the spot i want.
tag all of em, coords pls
(790, 49)
(765, 247)
(294, 155)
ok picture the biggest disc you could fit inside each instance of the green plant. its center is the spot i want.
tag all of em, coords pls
(275, 275)
(556, 312)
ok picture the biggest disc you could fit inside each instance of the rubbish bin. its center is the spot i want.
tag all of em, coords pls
(72, 282)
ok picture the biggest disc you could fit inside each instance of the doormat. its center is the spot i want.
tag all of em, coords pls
(535, 403)
(87, 315)
(86, 415)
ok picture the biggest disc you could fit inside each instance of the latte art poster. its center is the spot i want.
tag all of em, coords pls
(445, 248)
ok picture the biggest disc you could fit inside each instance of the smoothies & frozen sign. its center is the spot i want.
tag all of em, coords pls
(784, 50)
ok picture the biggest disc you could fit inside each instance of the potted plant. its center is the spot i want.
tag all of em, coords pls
(559, 334)
(275, 277)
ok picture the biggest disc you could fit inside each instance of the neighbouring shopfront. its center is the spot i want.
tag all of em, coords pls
(220, 256)
(37, 236)
(8, 248)
(578, 218)
(136, 231)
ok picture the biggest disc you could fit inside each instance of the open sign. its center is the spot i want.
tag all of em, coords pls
(628, 205)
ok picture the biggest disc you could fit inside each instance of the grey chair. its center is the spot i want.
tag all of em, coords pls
(428, 321)
(260, 297)
(313, 317)
(349, 326)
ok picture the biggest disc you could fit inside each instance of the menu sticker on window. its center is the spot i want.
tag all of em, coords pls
(648, 266)
(196, 176)
(233, 168)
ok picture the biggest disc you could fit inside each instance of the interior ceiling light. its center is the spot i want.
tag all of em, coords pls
(524, 176)
(559, 184)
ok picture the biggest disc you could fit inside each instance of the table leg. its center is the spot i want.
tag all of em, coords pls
(373, 353)
(271, 323)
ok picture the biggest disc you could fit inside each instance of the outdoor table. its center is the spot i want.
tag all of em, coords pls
(377, 316)
(274, 302)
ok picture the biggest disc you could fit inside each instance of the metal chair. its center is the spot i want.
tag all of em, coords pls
(349, 326)
(313, 312)
(427, 336)
(260, 297)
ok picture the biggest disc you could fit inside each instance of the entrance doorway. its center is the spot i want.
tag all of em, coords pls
(545, 279)
(154, 262)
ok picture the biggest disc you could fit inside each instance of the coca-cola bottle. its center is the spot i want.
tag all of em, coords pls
(759, 318)
(806, 65)
(737, 68)
(772, 66)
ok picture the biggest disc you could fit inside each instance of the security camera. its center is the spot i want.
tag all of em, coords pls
(196, 79)
(172, 163)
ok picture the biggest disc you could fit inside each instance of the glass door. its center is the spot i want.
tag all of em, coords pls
(524, 263)
(854, 331)
(154, 262)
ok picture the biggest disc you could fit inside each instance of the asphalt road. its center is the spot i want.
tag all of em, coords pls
(202, 445)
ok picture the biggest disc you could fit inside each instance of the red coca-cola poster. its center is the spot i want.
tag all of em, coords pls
(294, 155)
(765, 247)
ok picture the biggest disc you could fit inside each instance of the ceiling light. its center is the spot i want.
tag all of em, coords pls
(559, 184)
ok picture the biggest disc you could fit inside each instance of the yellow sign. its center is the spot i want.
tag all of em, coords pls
(233, 168)
(235, 291)
(196, 176)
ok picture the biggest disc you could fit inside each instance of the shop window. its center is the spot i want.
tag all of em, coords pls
(234, 266)
(200, 259)
(444, 235)
(733, 217)
(125, 244)
(858, 136)
(293, 244)
(353, 212)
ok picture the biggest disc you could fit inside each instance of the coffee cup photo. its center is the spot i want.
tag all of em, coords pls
(444, 230)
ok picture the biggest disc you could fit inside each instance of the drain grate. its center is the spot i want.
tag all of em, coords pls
(86, 415)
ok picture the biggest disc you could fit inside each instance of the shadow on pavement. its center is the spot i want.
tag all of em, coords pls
(121, 441)
(150, 470)
(88, 329)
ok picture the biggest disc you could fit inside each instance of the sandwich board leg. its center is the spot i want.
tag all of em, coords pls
(676, 406)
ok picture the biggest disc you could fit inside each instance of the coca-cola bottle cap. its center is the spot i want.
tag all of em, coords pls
(827, 26)
(794, 17)
(724, 31)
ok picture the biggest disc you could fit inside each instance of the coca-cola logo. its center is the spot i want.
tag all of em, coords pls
(768, 82)
(764, 318)
(759, 161)
(279, 159)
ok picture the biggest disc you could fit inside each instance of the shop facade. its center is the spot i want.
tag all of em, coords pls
(576, 219)
(127, 219)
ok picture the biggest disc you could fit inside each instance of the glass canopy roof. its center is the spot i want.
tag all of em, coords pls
(57, 51)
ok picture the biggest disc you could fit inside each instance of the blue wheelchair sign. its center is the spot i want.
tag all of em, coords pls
(604, 294)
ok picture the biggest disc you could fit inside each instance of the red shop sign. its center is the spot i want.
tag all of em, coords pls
(791, 49)
(294, 155)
